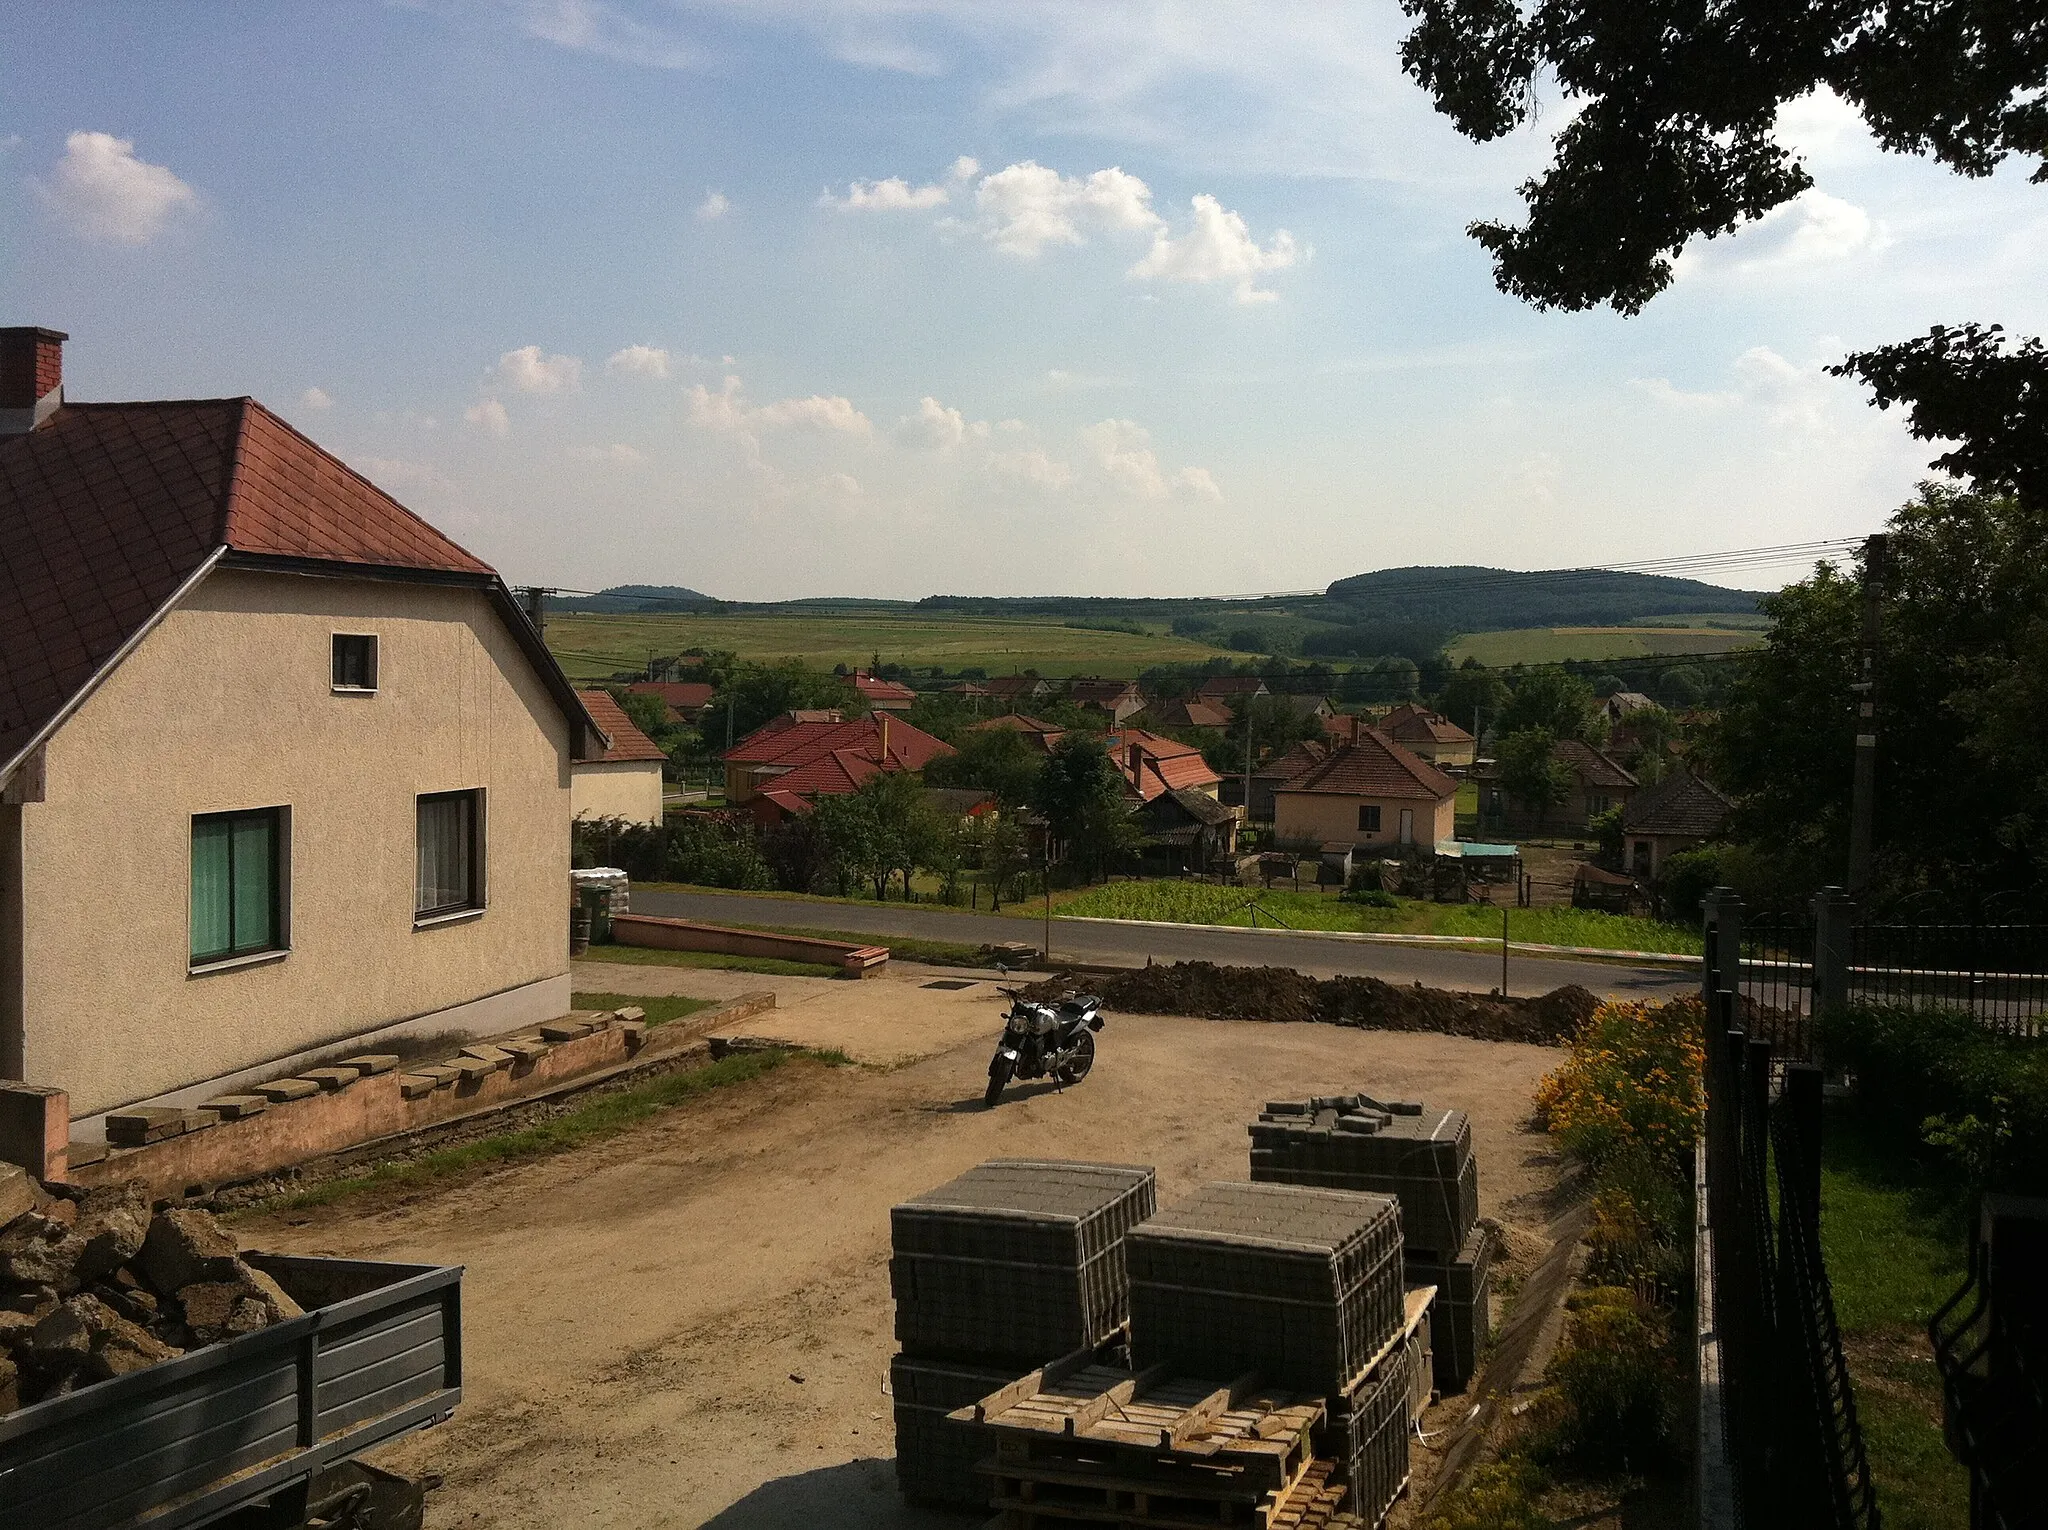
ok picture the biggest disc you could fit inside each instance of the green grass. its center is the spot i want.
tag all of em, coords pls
(659, 1008)
(602, 1116)
(1199, 903)
(649, 956)
(592, 647)
(932, 953)
(1553, 645)
(1894, 1232)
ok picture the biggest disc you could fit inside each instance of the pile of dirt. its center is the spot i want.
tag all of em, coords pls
(1210, 992)
(94, 1284)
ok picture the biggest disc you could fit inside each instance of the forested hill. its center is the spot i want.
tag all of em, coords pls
(1466, 599)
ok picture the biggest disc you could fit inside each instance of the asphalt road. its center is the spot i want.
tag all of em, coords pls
(1076, 940)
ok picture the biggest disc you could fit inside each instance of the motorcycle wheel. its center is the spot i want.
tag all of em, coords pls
(998, 1075)
(1076, 1067)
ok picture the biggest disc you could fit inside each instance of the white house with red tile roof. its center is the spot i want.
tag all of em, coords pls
(883, 695)
(624, 781)
(783, 767)
(1152, 764)
(283, 770)
(1366, 791)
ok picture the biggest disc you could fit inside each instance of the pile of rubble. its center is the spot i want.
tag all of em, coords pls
(1210, 992)
(94, 1284)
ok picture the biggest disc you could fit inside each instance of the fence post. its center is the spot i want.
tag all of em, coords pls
(1723, 930)
(1834, 917)
(1801, 1101)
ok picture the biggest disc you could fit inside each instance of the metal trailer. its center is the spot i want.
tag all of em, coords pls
(256, 1431)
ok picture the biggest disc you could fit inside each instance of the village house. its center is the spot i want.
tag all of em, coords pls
(1231, 690)
(1599, 784)
(1678, 813)
(1186, 831)
(779, 770)
(883, 695)
(686, 700)
(1431, 735)
(1117, 699)
(624, 781)
(1366, 793)
(1151, 765)
(282, 768)
(1018, 690)
(1276, 772)
(1043, 735)
(1622, 703)
(1188, 712)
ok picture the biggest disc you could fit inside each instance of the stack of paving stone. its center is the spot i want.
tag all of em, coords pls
(1015, 1263)
(1424, 1156)
(1298, 1285)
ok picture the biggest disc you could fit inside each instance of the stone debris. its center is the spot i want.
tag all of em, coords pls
(93, 1285)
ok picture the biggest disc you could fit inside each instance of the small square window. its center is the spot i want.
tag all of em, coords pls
(355, 662)
(449, 867)
(1369, 819)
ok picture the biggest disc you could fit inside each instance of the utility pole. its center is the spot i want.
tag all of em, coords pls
(534, 600)
(1863, 798)
(1248, 762)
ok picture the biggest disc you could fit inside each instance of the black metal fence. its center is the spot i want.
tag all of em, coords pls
(1793, 1446)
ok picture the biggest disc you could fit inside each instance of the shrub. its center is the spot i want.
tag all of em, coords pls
(1939, 1077)
(1641, 1230)
(1616, 1378)
(1503, 1495)
(1631, 1085)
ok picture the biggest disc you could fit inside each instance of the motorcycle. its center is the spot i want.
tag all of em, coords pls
(1044, 1040)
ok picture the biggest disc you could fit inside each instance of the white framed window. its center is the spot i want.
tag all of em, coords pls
(355, 662)
(449, 859)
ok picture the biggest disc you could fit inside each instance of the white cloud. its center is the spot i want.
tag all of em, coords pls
(102, 192)
(728, 410)
(1789, 395)
(317, 398)
(1219, 247)
(1813, 229)
(1537, 478)
(1665, 392)
(892, 195)
(488, 415)
(644, 361)
(1027, 206)
(590, 26)
(714, 206)
(938, 427)
(1032, 466)
(530, 370)
(618, 454)
(1123, 450)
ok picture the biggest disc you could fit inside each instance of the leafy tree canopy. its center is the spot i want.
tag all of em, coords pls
(996, 760)
(1555, 703)
(758, 692)
(1080, 794)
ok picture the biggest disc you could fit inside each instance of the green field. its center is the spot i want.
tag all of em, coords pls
(1553, 645)
(594, 647)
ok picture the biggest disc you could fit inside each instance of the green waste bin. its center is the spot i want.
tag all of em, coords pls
(597, 904)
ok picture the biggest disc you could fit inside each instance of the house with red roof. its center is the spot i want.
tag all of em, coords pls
(1231, 691)
(1039, 732)
(1117, 699)
(1013, 690)
(685, 699)
(1429, 734)
(1152, 764)
(1188, 712)
(283, 770)
(1366, 792)
(623, 782)
(779, 770)
(883, 695)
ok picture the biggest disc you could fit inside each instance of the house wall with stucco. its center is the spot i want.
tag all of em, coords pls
(628, 789)
(227, 705)
(1332, 818)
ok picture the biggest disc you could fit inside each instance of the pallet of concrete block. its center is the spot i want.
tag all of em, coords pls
(1155, 1447)
(1460, 1319)
(1017, 1260)
(1399, 1148)
(1296, 1284)
(1369, 1423)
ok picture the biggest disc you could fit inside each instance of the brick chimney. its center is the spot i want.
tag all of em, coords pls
(31, 377)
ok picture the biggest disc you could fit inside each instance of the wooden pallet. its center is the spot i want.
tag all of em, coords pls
(1092, 1442)
(1314, 1503)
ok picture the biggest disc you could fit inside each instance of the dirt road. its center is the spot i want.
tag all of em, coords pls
(691, 1324)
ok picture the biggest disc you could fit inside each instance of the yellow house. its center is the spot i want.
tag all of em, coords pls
(1368, 792)
(624, 781)
(1429, 735)
(282, 769)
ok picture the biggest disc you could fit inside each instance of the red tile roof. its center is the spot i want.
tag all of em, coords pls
(834, 757)
(1373, 765)
(1152, 765)
(1232, 685)
(1413, 724)
(1017, 685)
(1089, 691)
(628, 742)
(1595, 768)
(876, 689)
(1190, 713)
(107, 510)
(679, 696)
(1298, 761)
(1680, 804)
(1045, 734)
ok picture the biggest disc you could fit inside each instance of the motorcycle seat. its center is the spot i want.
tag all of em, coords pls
(1081, 1005)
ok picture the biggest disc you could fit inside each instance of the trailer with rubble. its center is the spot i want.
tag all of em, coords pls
(259, 1430)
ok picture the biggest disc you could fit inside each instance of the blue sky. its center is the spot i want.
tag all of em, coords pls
(880, 297)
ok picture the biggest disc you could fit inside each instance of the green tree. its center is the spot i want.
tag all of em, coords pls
(1274, 725)
(757, 693)
(1554, 702)
(1674, 136)
(1080, 794)
(1531, 774)
(996, 845)
(1472, 691)
(648, 713)
(998, 760)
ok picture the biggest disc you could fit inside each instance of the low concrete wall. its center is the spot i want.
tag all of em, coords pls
(375, 1107)
(687, 935)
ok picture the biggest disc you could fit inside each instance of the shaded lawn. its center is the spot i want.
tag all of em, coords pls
(649, 956)
(1894, 1228)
